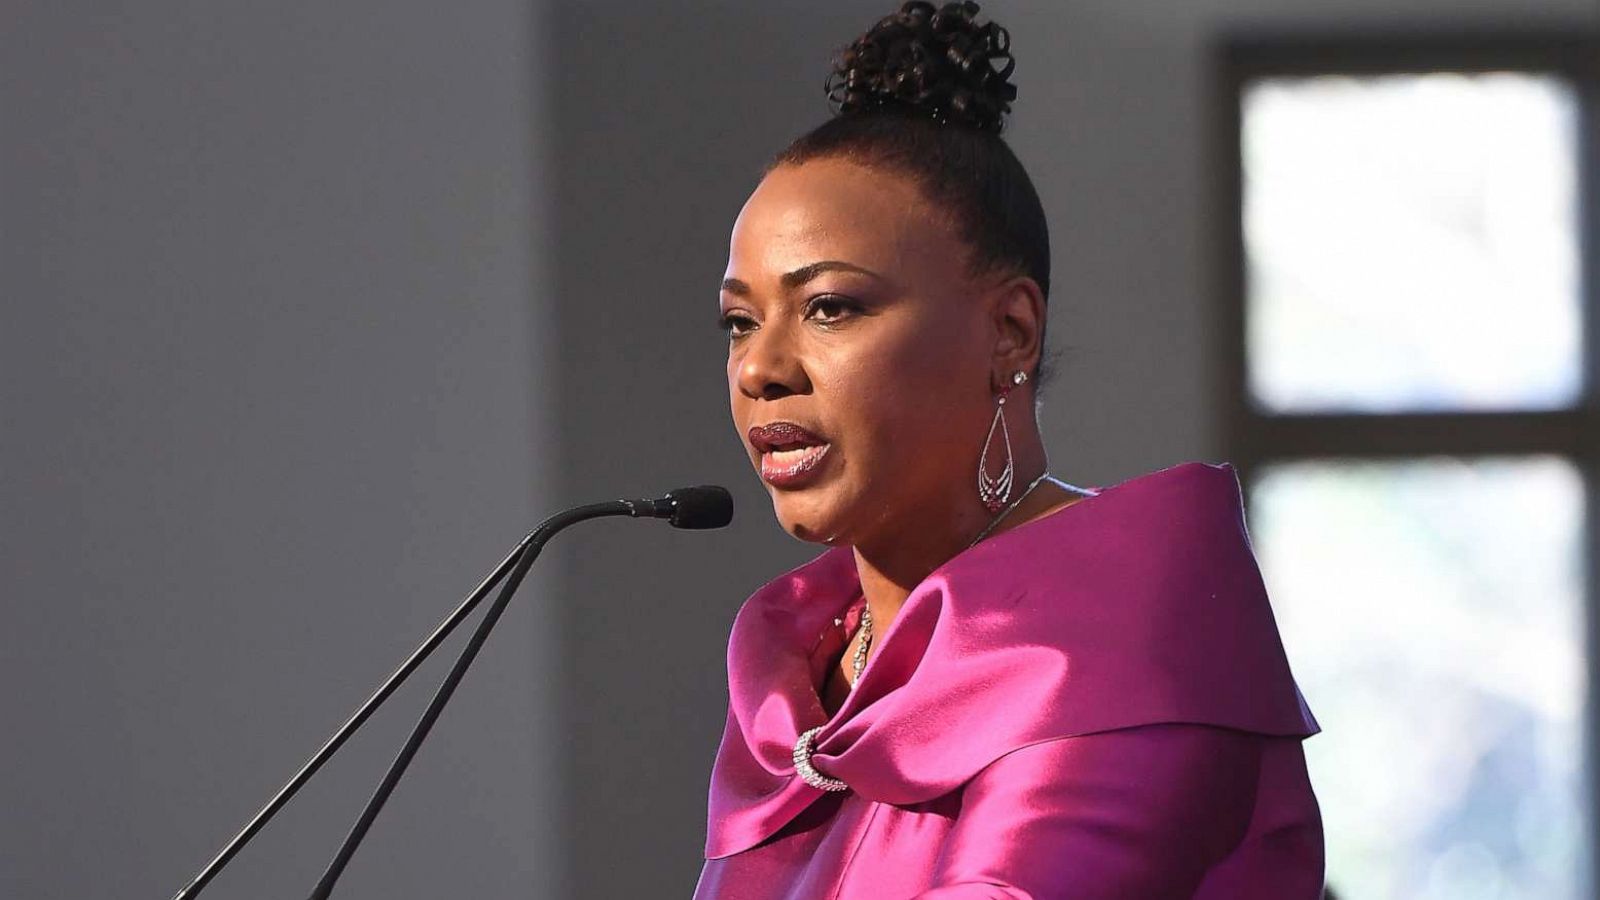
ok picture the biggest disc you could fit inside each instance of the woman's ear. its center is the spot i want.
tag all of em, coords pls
(1017, 309)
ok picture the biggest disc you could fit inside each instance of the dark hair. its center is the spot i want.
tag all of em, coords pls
(917, 94)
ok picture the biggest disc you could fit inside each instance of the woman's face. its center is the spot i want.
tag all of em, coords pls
(851, 316)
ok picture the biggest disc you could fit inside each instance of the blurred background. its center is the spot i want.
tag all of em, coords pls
(309, 311)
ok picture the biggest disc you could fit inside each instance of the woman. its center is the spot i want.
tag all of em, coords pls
(993, 683)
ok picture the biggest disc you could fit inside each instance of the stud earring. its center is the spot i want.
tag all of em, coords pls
(994, 491)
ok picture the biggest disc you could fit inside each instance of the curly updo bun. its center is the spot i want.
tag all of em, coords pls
(918, 96)
(935, 59)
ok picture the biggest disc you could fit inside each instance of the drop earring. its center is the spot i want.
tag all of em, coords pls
(995, 491)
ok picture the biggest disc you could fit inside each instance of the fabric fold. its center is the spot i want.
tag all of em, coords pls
(1141, 604)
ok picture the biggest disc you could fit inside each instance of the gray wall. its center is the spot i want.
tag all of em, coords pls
(307, 311)
(272, 383)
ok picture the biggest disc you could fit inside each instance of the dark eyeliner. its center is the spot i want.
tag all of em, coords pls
(842, 302)
(726, 320)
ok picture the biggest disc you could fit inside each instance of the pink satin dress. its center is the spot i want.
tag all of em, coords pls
(1092, 705)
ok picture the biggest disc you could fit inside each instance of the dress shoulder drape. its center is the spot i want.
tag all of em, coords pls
(1050, 713)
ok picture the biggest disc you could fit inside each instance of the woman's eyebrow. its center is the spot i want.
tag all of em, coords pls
(792, 280)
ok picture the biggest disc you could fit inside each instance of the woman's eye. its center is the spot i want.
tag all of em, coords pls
(828, 309)
(831, 306)
(734, 324)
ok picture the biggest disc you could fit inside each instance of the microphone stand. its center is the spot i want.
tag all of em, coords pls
(293, 785)
(448, 686)
(701, 507)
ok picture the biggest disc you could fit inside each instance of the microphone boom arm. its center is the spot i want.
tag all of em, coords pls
(356, 720)
(694, 503)
(528, 551)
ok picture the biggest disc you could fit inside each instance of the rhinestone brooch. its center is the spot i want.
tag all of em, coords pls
(802, 764)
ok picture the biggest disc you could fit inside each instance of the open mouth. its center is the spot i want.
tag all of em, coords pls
(788, 452)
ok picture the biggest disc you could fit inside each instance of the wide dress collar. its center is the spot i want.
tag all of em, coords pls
(1140, 604)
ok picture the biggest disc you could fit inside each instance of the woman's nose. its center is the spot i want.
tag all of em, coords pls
(769, 367)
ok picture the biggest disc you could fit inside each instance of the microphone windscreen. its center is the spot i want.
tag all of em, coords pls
(702, 506)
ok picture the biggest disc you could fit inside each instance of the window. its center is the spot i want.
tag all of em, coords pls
(1410, 311)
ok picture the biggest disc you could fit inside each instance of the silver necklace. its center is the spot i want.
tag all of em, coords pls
(859, 661)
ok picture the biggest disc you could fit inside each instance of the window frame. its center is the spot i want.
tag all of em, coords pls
(1252, 437)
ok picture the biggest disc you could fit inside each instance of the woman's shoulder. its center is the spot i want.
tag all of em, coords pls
(1144, 603)
(1165, 523)
(1181, 484)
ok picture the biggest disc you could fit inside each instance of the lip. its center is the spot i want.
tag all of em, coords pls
(781, 435)
(790, 454)
(780, 470)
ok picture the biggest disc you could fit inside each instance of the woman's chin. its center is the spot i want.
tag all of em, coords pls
(805, 520)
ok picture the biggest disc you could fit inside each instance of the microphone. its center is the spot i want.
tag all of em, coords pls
(704, 506)
(698, 507)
